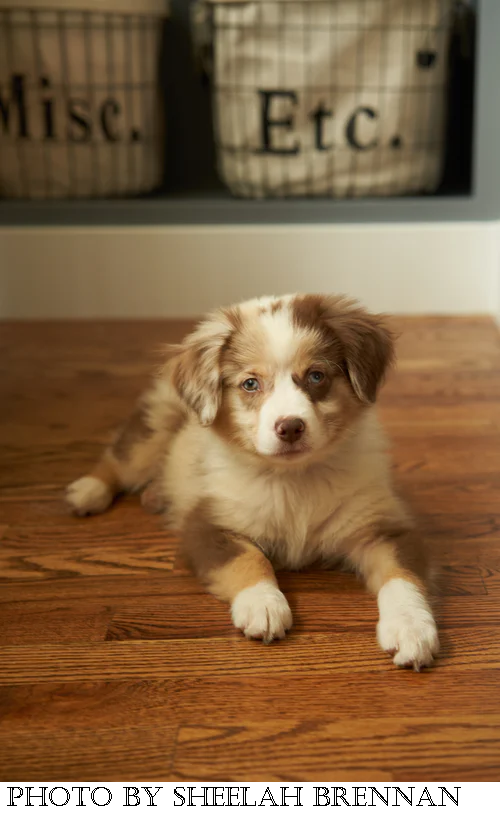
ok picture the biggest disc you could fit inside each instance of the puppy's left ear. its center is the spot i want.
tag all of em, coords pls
(196, 369)
(367, 344)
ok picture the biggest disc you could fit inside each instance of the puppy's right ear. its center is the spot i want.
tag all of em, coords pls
(196, 368)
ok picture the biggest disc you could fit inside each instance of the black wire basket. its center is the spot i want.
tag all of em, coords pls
(328, 98)
(81, 112)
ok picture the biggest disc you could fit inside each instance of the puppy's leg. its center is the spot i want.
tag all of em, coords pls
(94, 492)
(128, 464)
(236, 571)
(393, 568)
(153, 498)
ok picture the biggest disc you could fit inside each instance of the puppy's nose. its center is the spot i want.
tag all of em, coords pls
(289, 429)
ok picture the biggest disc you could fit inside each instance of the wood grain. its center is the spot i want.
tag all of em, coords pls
(122, 754)
(324, 653)
(233, 699)
(339, 751)
(117, 666)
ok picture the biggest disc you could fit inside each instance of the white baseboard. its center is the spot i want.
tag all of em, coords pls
(135, 272)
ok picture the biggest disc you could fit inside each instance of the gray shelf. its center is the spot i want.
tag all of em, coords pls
(207, 210)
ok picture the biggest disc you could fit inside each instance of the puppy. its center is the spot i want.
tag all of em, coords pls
(260, 433)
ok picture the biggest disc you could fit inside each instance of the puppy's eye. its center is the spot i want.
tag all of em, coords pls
(316, 377)
(251, 385)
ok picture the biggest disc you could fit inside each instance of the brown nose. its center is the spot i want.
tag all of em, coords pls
(289, 429)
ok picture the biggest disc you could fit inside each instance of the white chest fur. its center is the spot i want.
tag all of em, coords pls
(279, 511)
(294, 513)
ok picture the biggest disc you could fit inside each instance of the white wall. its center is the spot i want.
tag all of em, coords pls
(450, 268)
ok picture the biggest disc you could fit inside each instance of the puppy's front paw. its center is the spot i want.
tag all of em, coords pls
(88, 495)
(406, 627)
(261, 611)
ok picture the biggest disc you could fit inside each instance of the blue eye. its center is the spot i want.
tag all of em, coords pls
(251, 385)
(316, 376)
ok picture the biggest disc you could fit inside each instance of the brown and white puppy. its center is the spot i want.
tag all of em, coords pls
(261, 435)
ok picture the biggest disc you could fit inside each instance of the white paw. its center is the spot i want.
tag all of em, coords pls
(88, 495)
(406, 625)
(261, 611)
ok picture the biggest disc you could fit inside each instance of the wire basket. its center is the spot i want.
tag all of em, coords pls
(80, 104)
(333, 98)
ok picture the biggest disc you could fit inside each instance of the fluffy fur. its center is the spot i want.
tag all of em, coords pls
(261, 438)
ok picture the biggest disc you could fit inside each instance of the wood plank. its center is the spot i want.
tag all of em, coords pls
(51, 623)
(112, 590)
(103, 589)
(399, 749)
(131, 754)
(43, 506)
(318, 652)
(27, 553)
(201, 616)
(233, 699)
(31, 554)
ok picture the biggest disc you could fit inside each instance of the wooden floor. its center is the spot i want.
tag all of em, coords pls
(116, 666)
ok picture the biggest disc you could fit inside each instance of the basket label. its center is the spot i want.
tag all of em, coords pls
(40, 120)
(270, 125)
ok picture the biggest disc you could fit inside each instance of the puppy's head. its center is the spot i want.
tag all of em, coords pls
(284, 377)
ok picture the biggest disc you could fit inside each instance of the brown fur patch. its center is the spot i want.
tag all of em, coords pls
(246, 352)
(196, 370)
(225, 562)
(369, 351)
(316, 392)
(135, 430)
(411, 550)
(248, 569)
(365, 342)
(388, 549)
(234, 318)
(152, 498)
(307, 311)
(244, 357)
(234, 397)
(106, 471)
(195, 382)
(204, 545)
(225, 424)
(271, 308)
